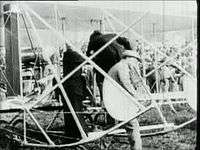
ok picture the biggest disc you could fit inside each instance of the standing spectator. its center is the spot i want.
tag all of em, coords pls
(55, 60)
(75, 88)
(87, 73)
(177, 76)
(126, 74)
(167, 76)
(151, 79)
(111, 55)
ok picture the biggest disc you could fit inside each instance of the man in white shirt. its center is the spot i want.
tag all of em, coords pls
(126, 73)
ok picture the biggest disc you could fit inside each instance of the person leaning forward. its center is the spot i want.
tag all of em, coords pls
(111, 55)
(125, 73)
(75, 88)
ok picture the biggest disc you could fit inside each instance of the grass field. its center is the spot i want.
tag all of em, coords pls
(181, 139)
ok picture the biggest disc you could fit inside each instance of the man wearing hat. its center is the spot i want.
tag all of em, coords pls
(111, 55)
(126, 73)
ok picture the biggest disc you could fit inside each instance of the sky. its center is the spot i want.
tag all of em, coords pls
(177, 8)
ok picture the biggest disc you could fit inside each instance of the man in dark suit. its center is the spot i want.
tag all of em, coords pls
(75, 88)
(111, 55)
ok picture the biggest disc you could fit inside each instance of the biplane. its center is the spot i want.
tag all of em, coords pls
(117, 101)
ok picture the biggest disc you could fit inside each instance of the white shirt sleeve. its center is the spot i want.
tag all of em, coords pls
(124, 77)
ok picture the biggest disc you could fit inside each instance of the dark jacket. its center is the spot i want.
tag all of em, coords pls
(110, 55)
(75, 84)
(75, 88)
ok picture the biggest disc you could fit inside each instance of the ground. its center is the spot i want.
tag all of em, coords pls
(181, 139)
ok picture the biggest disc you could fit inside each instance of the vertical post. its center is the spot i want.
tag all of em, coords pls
(63, 25)
(153, 30)
(13, 57)
(57, 63)
(155, 55)
(63, 19)
(24, 124)
(163, 22)
(20, 56)
(2, 54)
(56, 20)
(192, 29)
(100, 25)
(156, 64)
(142, 51)
(2, 40)
(94, 84)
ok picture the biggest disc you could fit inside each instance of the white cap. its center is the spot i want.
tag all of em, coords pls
(131, 53)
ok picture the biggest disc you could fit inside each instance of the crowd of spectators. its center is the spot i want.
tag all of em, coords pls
(170, 77)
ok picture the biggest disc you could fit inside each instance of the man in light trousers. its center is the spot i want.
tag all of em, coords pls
(126, 73)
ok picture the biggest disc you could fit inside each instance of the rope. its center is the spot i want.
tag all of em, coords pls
(32, 47)
(27, 32)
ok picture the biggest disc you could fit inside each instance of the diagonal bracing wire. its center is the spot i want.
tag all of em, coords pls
(64, 93)
(27, 31)
(91, 63)
(146, 41)
(121, 23)
(114, 82)
(154, 47)
(89, 59)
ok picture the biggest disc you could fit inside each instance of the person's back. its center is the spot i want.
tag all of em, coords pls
(113, 72)
(126, 73)
(71, 60)
(111, 55)
(151, 79)
(75, 88)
